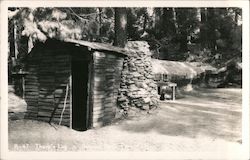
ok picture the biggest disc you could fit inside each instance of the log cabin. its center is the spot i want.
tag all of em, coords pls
(73, 83)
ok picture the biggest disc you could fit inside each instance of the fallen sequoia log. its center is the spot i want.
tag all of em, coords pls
(186, 73)
(182, 73)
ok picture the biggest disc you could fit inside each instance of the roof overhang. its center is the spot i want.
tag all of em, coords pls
(98, 46)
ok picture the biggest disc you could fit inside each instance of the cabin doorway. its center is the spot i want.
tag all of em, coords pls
(80, 109)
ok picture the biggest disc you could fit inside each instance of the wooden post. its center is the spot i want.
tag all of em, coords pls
(16, 49)
(70, 93)
(89, 96)
(64, 104)
(173, 92)
(23, 86)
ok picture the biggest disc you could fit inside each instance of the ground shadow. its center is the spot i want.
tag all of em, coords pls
(212, 113)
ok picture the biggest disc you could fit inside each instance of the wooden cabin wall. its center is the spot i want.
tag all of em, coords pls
(32, 87)
(62, 90)
(106, 82)
(46, 86)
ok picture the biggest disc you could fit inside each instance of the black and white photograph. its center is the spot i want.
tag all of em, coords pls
(125, 79)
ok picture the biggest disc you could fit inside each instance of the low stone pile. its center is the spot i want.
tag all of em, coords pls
(138, 88)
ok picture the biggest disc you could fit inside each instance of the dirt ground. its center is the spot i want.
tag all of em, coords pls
(203, 120)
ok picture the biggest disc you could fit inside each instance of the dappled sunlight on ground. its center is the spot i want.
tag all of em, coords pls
(198, 122)
(215, 113)
(16, 105)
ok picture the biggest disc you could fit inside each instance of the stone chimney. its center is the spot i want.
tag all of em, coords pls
(138, 89)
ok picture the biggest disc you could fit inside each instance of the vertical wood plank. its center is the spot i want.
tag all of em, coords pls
(89, 97)
(91, 92)
(70, 86)
(23, 86)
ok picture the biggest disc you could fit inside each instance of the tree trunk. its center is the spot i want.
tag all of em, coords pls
(12, 38)
(203, 30)
(168, 26)
(211, 32)
(99, 20)
(120, 27)
(145, 21)
(175, 21)
(181, 15)
(198, 17)
(236, 16)
(157, 22)
(183, 41)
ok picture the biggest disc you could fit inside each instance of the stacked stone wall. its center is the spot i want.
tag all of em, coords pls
(138, 88)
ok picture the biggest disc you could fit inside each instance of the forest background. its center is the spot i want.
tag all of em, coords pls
(209, 35)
